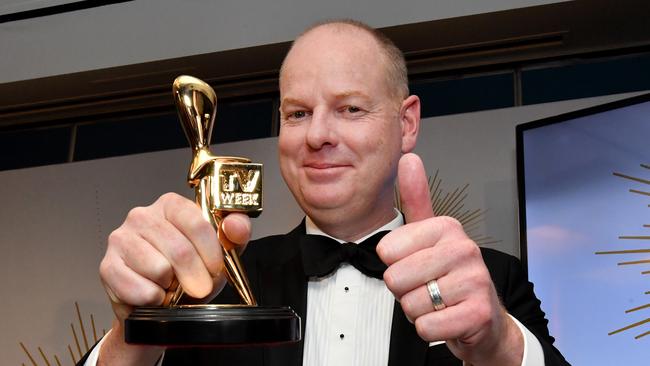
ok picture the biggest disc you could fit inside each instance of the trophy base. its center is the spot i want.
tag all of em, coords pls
(212, 325)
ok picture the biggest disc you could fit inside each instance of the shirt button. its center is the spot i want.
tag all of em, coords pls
(346, 289)
(341, 336)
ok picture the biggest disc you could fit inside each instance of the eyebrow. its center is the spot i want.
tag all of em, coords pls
(351, 93)
(342, 95)
(290, 101)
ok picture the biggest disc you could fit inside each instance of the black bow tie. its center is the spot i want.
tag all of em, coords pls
(322, 255)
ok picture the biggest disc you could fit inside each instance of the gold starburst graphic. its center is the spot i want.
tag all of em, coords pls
(80, 349)
(644, 195)
(452, 204)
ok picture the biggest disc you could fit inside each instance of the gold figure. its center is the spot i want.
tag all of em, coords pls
(221, 184)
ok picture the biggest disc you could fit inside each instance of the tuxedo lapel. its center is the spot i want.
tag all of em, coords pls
(406, 347)
(283, 283)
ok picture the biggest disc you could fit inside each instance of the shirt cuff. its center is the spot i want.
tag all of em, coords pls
(94, 355)
(533, 353)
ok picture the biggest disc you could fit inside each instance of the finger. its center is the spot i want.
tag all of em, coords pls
(447, 256)
(462, 321)
(413, 271)
(409, 239)
(176, 247)
(187, 217)
(237, 229)
(413, 189)
(143, 258)
(125, 286)
(188, 266)
(418, 301)
(218, 284)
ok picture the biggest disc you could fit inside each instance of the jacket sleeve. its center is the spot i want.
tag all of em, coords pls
(519, 299)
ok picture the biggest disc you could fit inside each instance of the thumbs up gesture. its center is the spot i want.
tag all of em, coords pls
(468, 314)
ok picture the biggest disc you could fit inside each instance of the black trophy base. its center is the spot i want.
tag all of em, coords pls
(212, 325)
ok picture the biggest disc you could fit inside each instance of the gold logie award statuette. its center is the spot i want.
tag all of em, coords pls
(222, 185)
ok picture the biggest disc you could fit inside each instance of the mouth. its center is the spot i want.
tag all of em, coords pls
(325, 171)
(322, 165)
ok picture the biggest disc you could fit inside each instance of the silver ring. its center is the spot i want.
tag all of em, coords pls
(434, 293)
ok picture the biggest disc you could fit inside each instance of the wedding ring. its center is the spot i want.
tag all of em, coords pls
(434, 293)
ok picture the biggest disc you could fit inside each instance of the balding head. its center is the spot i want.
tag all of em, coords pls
(392, 58)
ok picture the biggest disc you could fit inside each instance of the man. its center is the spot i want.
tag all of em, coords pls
(348, 127)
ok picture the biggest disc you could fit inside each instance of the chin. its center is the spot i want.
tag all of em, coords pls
(325, 201)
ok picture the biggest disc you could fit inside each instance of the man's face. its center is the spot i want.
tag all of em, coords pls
(341, 129)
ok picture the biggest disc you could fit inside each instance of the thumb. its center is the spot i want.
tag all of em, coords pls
(235, 231)
(413, 186)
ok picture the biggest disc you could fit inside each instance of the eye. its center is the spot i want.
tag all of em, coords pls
(353, 109)
(352, 112)
(297, 114)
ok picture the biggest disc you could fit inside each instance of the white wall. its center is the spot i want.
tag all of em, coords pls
(54, 220)
(150, 30)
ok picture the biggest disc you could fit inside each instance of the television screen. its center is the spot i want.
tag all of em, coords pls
(584, 197)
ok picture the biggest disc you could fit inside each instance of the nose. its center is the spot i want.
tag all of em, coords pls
(322, 130)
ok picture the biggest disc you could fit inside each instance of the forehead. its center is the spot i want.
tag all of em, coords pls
(337, 36)
(335, 54)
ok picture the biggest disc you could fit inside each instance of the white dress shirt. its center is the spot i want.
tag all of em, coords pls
(349, 318)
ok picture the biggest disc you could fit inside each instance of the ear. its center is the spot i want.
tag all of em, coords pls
(410, 122)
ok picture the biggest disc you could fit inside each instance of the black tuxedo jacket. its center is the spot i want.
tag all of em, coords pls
(277, 277)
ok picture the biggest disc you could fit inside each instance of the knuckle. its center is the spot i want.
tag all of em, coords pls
(117, 237)
(181, 254)
(200, 226)
(105, 269)
(450, 223)
(407, 304)
(473, 249)
(172, 204)
(468, 249)
(382, 252)
(389, 279)
(423, 328)
(163, 272)
(483, 280)
(475, 278)
(171, 198)
(482, 315)
(137, 215)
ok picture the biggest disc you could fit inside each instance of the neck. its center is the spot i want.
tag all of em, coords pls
(352, 230)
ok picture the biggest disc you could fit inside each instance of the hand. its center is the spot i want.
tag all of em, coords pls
(156, 243)
(474, 324)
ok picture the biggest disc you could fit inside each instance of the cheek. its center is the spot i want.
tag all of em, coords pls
(288, 151)
(291, 137)
(285, 144)
(384, 150)
(379, 145)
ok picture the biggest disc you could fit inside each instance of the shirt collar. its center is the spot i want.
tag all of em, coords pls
(312, 229)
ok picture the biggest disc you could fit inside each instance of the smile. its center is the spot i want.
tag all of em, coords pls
(324, 171)
(325, 165)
